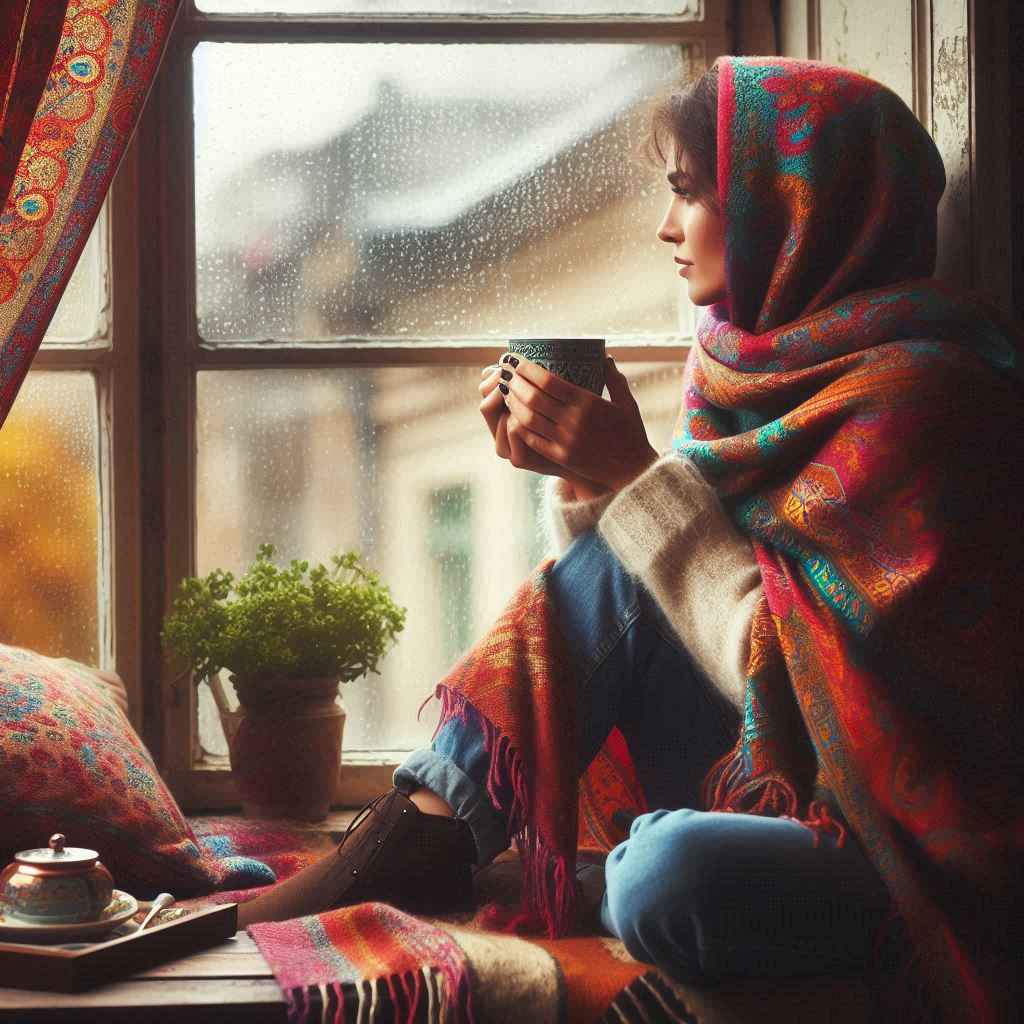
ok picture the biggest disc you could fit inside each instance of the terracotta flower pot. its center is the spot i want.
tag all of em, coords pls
(284, 742)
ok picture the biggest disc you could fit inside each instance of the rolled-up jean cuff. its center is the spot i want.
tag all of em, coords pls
(426, 767)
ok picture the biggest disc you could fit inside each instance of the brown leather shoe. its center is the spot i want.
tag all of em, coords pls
(391, 853)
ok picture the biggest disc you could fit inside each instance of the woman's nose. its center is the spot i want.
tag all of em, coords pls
(669, 230)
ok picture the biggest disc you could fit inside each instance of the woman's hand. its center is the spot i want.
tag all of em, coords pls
(583, 436)
(496, 416)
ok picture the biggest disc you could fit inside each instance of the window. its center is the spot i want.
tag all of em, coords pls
(359, 203)
(50, 529)
(49, 523)
(68, 469)
(449, 525)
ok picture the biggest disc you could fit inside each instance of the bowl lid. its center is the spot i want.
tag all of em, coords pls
(57, 855)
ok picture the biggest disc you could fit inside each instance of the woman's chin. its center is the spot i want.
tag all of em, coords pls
(700, 298)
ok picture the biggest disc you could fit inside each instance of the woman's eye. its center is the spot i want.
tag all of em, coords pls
(683, 193)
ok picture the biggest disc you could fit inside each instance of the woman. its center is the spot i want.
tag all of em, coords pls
(806, 603)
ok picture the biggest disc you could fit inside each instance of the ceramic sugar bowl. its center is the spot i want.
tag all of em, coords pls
(56, 884)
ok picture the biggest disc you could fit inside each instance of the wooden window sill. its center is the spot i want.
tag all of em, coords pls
(208, 788)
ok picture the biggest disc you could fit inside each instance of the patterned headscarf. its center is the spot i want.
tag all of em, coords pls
(863, 422)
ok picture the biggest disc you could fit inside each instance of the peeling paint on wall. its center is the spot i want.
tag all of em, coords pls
(873, 37)
(876, 38)
(951, 129)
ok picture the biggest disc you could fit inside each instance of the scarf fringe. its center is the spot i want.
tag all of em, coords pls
(326, 1003)
(820, 821)
(549, 881)
(298, 1006)
(726, 788)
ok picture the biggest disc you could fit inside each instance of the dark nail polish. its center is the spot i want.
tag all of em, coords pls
(505, 358)
(503, 389)
(511, 360)
(506, 374)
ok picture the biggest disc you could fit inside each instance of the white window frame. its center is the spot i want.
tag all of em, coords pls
(173, 353)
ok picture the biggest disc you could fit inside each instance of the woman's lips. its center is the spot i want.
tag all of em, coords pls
(684, 268)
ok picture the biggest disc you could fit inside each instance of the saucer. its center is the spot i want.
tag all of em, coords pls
(117, 911)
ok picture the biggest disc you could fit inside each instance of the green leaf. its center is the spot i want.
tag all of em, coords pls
(285, 622)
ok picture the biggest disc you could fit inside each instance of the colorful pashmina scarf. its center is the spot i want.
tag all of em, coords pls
(862, 421)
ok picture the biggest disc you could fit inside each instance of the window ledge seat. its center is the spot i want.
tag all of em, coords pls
(233, 982)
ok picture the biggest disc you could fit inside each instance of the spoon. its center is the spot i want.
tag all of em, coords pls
(162, 902)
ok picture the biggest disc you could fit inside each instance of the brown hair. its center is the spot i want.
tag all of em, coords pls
(686, 119)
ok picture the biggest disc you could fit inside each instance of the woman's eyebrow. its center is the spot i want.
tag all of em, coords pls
(679, 178)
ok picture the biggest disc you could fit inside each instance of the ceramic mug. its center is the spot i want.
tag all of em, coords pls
(577, 360)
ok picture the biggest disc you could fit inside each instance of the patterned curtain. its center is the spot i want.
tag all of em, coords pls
(73, 78)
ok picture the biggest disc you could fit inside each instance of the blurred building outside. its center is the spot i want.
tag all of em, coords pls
(393, 462)
(397, 462)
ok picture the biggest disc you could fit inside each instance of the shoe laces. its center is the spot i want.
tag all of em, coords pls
(364, 812)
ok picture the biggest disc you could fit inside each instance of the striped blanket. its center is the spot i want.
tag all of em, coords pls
(373, 963)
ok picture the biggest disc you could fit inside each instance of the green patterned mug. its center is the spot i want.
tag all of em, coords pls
(577, 360)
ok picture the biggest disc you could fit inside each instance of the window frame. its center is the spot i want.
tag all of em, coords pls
(172, 353)
(111, 358)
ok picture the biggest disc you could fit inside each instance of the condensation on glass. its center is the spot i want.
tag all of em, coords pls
(396, 464)
(679, 8)
(396, 192)
(50, 575)
(80, 315)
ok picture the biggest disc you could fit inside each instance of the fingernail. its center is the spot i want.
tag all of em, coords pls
(512, 361)
(505, 358)
(503, 388)
(506, 374)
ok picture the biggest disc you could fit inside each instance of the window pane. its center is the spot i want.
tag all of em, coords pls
(49, 516)
(401, 191)
(79, 314)
(398, 465)
(383, 7)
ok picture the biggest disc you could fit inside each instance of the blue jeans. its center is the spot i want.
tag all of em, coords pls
(702, 895)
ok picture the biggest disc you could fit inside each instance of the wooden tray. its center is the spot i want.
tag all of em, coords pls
(47, 969)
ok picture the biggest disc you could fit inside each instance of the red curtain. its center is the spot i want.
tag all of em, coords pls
(73, 78)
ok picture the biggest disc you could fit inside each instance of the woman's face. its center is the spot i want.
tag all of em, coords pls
(695, 233)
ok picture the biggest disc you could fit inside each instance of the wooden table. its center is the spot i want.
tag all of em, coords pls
(229, 982)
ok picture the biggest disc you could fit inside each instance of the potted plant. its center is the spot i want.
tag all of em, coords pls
(288, 636)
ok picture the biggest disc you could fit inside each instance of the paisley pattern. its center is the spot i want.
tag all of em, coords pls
(83, 67)
(70, 761)
(863, 421)
(610, 797)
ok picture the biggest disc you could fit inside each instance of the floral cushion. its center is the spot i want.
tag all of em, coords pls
(71, 762)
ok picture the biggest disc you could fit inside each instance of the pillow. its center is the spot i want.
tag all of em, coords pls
(71, 762)
(109, 683)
